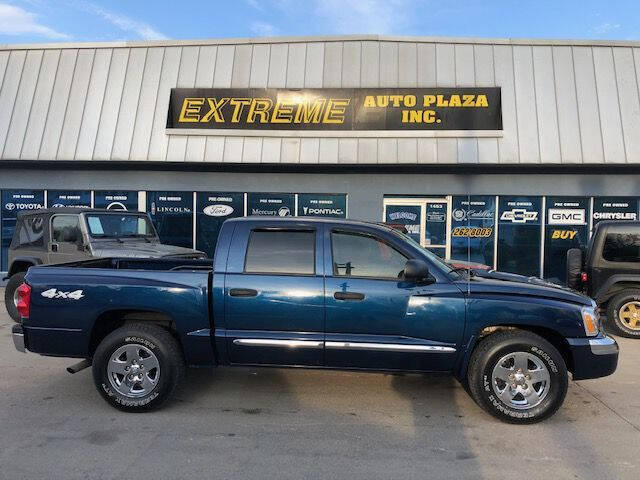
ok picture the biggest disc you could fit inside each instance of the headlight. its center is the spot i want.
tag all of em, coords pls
(591, 321)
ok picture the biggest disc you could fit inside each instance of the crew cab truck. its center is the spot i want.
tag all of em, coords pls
(318, 293)
(609, 271)
(60, 235)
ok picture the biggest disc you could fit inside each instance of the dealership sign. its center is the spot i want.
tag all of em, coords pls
(567, 216)
(344, 109)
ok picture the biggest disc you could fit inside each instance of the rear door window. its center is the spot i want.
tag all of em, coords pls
(65, 229)
(281, 251)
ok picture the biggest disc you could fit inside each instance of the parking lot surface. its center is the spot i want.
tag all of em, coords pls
(278, 423)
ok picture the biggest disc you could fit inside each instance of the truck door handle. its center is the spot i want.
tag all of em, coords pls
(348, 296)
(243, 292)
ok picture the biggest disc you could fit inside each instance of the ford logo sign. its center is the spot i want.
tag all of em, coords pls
(218, 210)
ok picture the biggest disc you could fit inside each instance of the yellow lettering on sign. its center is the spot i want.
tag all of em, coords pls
(382, 100)
(454, 101)
(481, 101)
(467, 100)
(259, 107)
(369, 101)
(282, 112)
(442, 102)
(304, 114)
(396, 99)
(191, 110)
(215, 106)
(429, 116)
(428, 100)
(238, 105)
(335, 110)
(409, 100)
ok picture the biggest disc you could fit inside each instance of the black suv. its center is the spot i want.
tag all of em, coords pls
(609, 272)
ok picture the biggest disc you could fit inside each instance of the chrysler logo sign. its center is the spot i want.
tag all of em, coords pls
(218, 210)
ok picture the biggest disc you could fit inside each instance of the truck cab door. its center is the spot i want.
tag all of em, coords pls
(376, 320)
(66, 243)
(274, 294)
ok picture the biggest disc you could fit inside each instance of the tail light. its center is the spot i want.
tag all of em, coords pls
(584, 277)
(24, 300)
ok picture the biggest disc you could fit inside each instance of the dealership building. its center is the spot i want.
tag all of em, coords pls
(503, 151)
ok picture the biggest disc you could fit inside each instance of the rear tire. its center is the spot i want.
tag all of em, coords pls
(620, 313)
(535, 377)
(137, 367)
(14, 282)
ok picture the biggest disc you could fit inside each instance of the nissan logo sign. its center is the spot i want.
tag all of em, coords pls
(218, 210)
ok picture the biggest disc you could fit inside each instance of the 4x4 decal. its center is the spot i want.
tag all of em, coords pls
(54, 293)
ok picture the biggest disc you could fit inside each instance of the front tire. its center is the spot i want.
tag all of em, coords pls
(14, 282)
(623, 313)
(517, 376)
(137, 367)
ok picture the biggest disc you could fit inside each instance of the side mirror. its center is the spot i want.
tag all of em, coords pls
(417, 271)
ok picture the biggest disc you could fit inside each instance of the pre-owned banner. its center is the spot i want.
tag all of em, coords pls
(116, 199)
(69, 198)
(614, 208)
(13, 202)
(348, 109)
(212, 209)
(276, 204)
(172, 215)
(322, 205)
(472, 228)
(566, 227)
(519, 235)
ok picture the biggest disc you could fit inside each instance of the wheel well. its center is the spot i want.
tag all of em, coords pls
(20, 266)
(616, 288)
(551, 336)
(112, 320)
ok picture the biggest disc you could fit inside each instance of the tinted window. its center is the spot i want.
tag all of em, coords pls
(64, 228)
(622, 247)
(30, 233)
(364, 256)
(281, 251)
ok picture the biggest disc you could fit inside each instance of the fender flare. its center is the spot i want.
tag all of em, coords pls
(602, 295)
(31, 260)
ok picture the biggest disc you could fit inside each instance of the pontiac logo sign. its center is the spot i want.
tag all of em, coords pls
(218, 210)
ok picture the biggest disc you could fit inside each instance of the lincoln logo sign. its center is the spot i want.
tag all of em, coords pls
(346, 109)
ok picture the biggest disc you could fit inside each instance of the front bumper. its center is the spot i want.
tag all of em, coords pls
(593, 357)
(18, 338)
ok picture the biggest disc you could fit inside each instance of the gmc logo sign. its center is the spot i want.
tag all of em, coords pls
(567, 216)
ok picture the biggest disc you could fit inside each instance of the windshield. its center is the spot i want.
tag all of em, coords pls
(109, 225)
(436, 260)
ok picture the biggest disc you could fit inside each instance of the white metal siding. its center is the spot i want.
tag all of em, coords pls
(561, 103)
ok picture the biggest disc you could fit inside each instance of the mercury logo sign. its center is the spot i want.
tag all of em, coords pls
(567, 216)
(116, 206)
(218, 210)
(519, 215)
(284, 212)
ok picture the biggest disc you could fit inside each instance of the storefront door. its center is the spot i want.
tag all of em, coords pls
(426, 220)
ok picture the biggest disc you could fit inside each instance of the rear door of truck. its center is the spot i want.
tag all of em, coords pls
(274, 294)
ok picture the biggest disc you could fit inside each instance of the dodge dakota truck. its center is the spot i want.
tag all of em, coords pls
(319, 293)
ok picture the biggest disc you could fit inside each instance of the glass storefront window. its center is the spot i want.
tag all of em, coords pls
(472, 228)
(519, 235)
(172, 215)
(212, 209)
(566, 227)
(14, 201)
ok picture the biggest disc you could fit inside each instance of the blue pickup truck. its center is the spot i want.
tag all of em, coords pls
(318, 293)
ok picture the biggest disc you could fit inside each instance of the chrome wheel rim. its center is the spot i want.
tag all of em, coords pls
(629, 314)
(133, 370)
(521, 380)
(16, 298)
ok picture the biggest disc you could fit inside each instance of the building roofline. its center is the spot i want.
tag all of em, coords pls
(330, 38)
